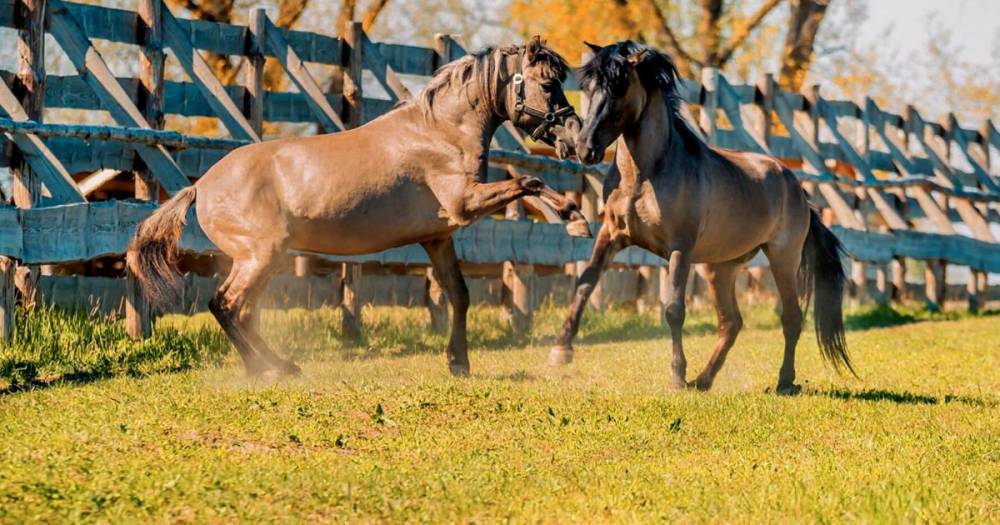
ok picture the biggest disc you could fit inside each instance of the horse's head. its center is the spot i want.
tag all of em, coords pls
(533, 96)
(619, 80)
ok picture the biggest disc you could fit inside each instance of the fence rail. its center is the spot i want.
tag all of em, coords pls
(894, 186)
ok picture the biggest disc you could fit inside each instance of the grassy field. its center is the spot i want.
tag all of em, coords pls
(95, 428)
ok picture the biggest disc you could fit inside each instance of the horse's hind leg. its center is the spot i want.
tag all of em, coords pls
(248, 324)
(604, 251)
(225, 306)
(722, 290)
(233, 307)
(785, 267)
(447, 270)
(680, 267)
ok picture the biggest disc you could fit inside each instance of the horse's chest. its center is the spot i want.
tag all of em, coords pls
(637, 215)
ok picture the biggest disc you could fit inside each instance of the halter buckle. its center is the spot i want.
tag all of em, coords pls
(518, 79)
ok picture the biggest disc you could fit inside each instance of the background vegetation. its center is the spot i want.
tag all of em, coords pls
(377, 430)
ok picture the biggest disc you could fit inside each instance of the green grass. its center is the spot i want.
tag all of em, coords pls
(96, 428)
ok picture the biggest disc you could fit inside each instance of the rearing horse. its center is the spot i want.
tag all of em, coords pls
(687, 202)
(413, 175)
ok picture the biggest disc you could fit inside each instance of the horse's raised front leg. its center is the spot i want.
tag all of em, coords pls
(480, 199)
(604, 251)
(483, 198)
(722, 290)
(448, 272)
(680, 266)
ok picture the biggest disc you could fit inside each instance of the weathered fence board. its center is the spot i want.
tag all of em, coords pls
(868, 175)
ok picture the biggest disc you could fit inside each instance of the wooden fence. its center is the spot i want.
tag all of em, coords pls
(894, 187)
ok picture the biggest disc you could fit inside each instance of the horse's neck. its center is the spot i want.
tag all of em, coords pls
(642, 146)
(467, 127)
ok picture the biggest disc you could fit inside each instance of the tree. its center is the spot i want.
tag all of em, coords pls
(800, 40)
(710, 33)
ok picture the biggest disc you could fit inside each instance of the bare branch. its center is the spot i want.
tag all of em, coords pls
(681, 57)
(289, 12)
(799, 41)
(346, 15)
(742, 31)
(372, 14)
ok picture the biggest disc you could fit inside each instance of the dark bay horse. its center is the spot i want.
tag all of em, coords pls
(413, 175)
(687, 202)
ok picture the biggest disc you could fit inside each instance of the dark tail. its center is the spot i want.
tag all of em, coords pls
(823, 274)
(152, 256)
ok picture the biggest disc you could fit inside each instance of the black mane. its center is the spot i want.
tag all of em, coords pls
(609, 70)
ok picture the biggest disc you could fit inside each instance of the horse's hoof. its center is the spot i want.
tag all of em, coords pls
(291, 369)
(700, 385)
(532, 184)
(578, 228)
(459, 369)
(560, 355)
(788, 390)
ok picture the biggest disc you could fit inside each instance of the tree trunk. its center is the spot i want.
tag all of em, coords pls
(799, 41)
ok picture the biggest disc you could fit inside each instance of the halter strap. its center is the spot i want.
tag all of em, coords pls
(548, 118)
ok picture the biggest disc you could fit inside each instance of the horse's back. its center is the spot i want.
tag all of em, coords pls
(344, 193)
(749, 199)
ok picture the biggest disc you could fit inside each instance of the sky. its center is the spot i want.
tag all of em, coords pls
(973, 24)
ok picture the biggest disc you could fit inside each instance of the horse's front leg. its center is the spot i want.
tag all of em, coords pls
(680, 266)
(604, 251)
(483, 198)
(446, 269)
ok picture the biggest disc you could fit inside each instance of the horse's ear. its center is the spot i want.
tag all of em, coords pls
(593, 47)
(533, 47)
(636, 58)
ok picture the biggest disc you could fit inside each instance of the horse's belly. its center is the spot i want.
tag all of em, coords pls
(372, 224)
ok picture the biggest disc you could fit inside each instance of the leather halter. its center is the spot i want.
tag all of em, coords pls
(548, 118)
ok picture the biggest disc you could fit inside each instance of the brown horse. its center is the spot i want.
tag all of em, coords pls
(413, 175)
(675, 196)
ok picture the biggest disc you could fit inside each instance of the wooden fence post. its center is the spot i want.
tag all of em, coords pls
(663, 297)
(353, 62)
(898, 269)
(350, 324)
(517, 279)
(29, 88)
(437, 302)
(935, 283)
(7, 300)
(648, 288)
(253, 100)
(138, 317)
(710, 105)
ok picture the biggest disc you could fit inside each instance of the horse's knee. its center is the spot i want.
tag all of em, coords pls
(218, 307)
(791, 321)
(674, 314)
(730, 327)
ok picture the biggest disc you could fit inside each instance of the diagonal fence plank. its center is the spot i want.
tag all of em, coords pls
(209, 86)
(892, 217)
(810, 153)
(95, 71)
(54, 176)
(273, 41)
(383, 72)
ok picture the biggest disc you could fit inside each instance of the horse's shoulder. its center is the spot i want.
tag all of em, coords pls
(753, 165)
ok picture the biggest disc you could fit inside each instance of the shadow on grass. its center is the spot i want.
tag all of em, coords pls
(900, 397)
(886, 316)
(79, 378)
